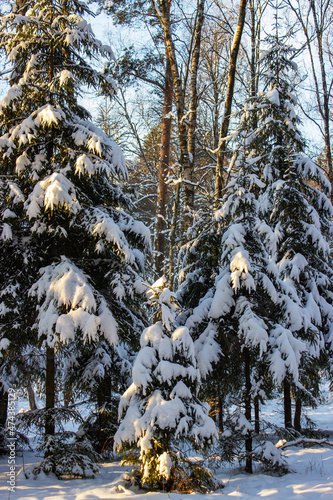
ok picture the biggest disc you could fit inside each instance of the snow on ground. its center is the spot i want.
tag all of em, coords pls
(311, 479)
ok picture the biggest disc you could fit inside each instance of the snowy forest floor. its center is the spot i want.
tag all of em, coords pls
(311, 479)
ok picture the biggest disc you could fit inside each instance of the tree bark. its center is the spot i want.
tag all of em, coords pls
(179, 96)
(160, 242)
(189, 186)
(247, 400)
(228, 101)
(220, 412)
(104, 392)
(257, 416)
(173, 234)
(3, 415)
(253, 51)
(298, 414)
(104, 401)
(68, 395)
(50, 390)
(287, 405)
(32, 397)
(163, 14)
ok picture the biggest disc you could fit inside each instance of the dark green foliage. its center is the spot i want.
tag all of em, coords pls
(68, 459)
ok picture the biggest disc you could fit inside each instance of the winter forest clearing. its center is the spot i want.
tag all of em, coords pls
(166, 273)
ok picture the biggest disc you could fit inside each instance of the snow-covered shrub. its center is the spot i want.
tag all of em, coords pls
(271, 458)
(64, 456)
(65, 453)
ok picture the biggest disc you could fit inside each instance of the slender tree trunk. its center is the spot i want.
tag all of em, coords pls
(68, 395)
(3, 406)
(220, 412)
(160, 243)
(32, 398)
(189, 185)
(228, 101)
(3, 410)
(253, 65)
(3, 415)
(173, 234)
(298, 414)
(50, 390)
(257, 416)
(164, 17)
(287, 404)
(104, 400)
(163, 14)
(248, 439)
(104, 392)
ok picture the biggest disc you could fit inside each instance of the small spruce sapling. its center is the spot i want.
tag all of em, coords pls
(161, 411)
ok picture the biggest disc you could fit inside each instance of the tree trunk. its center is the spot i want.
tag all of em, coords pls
(160, 242)
(3, 406)
(257, 416)
(50, 390)
(173, 234)
(163, 14)
(298, 414)
(104, 400)
(247, 400)
(228, 101)
(3, 417)
(32, 398)
(287, 405)
(164, 17)
(189, 185)
(68, 395)
(104, 392)
(220, 412)
(253, 64)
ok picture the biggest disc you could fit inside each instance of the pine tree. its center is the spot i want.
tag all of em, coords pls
(70, 253)
(161, 410)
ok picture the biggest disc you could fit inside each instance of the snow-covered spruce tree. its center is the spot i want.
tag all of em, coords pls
(236, 312)
(70, 253)
(245, 294)
(296, 206)
(161, 411)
